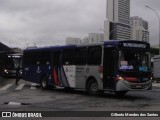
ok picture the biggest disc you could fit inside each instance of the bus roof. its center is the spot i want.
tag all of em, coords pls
(116, 42)
(51, 47)
(128, 44)
(113, 43)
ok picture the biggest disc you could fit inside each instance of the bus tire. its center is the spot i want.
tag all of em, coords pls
(92, 87)
(121, 93)
(44, 82)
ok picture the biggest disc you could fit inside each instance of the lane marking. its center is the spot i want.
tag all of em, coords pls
(20, 87)
(6, 87)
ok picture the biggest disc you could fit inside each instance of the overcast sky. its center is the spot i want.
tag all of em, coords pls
(49, 22)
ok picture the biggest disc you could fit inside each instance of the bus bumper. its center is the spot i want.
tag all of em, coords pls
(10, 73)
(123, 85)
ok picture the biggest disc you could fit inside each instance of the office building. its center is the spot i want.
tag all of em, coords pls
(139, 29)
(117, 24)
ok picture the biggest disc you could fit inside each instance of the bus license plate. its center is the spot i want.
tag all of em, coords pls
(138, 86)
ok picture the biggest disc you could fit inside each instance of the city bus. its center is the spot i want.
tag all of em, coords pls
(11, 62)
(116, 66)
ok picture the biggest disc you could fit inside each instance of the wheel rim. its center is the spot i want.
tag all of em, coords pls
(43, 83)
(94, 87)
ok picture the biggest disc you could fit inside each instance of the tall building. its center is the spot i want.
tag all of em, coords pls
(139, 29)
(117, 24)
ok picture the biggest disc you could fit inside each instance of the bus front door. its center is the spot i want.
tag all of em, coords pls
(108, 68)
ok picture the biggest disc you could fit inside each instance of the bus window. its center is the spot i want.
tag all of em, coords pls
(94, 55)
(45, 57)
(81, 56)
(56, 58)
(35, 57)
(68, 57)
(17, 63)
(30, 58)
(134, 61)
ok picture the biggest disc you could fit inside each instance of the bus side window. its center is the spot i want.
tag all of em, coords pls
(36, 57)
(81, 56)
(45, 57)
(68, 56)
(29, 58)
(56, 58)
(94, 55)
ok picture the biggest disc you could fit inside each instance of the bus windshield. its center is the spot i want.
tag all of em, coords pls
(13, 63)
(130, 60)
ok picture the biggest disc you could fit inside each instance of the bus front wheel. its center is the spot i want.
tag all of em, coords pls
(92, 87)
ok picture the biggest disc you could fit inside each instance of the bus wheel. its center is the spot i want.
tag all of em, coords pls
(121, 93)
(44, 83)
(92, 87)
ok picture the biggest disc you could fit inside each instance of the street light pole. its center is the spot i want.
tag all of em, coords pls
(159, 22)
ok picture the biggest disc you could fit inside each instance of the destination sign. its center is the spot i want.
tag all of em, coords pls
(135, 45)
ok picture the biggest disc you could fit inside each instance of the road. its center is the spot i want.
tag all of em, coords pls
(36, 99)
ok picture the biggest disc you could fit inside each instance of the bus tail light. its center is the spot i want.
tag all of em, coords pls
(100, 69)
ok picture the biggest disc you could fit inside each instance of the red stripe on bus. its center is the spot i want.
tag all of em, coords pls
(131, 79)
(55, 76)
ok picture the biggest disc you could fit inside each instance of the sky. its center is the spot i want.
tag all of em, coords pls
(49, 22)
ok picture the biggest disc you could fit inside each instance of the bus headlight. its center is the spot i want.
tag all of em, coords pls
(119, 78)
(6, 71)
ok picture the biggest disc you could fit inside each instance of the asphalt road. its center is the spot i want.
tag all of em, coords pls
(36, 99)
